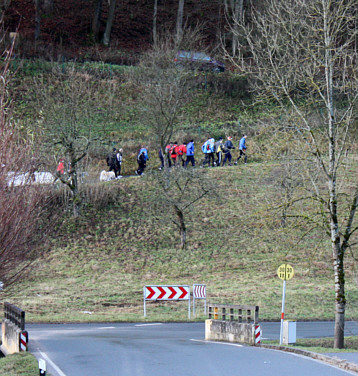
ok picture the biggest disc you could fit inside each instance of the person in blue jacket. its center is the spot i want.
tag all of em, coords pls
(242, 148)
(208, 149)
(190, 153)
(142, 160)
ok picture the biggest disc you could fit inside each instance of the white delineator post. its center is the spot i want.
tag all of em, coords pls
(282, 310)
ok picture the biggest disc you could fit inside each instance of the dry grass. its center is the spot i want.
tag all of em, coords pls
(98, 266)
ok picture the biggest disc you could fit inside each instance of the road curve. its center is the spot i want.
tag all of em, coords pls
(161, 349)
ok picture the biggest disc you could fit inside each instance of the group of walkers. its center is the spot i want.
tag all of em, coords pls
(216, 153)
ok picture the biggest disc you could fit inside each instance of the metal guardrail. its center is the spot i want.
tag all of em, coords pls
(241, 313)
(15, 314)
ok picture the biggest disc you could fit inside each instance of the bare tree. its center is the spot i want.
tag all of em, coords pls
(155, 13)
(165, 90)
(302, 55)
(96, 22)
(25, 215)
(69, 105)
(180, 17)
(234, 10)
(178, 191)
(110, 18)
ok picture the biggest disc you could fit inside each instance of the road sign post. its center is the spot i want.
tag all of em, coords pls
(161, 292)
(199, 292)
(284, 272)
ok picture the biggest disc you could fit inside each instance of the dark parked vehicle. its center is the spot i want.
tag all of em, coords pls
(198, 60)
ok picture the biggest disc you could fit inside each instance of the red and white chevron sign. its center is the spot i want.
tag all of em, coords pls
(167, 292)
(199, 291)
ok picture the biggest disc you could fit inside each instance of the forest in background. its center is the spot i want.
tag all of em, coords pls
(55, 29)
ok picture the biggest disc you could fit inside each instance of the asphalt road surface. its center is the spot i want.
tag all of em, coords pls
(168, 349)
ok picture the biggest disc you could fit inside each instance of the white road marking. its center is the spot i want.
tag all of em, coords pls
(217, 343)
(107, 327)
(53, 365)
(158, 323)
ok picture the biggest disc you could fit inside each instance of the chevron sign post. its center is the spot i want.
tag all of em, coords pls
(199, 292)
(160, 292)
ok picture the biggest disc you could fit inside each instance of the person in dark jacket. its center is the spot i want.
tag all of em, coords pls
(111, 160)
(142, 160)
(160, 155)
(228, 146)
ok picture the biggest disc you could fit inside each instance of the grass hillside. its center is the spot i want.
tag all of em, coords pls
(97, 264)
(97, 267)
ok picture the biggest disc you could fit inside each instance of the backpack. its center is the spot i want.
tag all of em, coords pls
(204, 146)
(224, 148)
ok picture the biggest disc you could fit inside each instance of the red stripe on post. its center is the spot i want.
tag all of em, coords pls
(282, 315)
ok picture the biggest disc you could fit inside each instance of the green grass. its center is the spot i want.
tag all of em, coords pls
(21, 364)
(100, 263)
(322, 345)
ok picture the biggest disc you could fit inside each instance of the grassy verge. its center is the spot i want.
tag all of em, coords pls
(21, 364)
(322, 345)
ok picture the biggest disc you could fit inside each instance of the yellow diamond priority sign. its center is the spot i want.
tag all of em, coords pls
(285, 272)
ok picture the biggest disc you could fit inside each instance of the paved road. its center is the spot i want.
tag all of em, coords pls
(169, 349)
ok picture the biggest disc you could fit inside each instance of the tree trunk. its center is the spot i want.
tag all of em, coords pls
(48, 6)
(182, 226)
(107, 33)
(37, 19)
(338, 254)
(340, 297)
(180, 20)
(155, 40)
(237, 14)
(96, 22)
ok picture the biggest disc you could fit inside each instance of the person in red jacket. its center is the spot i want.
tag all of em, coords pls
(173, 153)
(61, 167)
(181, 152)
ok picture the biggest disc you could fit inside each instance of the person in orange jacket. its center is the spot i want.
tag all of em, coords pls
(181, 152)
(61, 167)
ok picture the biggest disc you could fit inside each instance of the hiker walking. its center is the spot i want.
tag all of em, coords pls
(61, 167)
(190, 153)
(181, 152)
(208, 150)
(228, 146)
(242, 148)
(142, 158)
(111, 160)
(161, 158)
(173, 153)
(167, 151)
(218, 151)
(119, 158)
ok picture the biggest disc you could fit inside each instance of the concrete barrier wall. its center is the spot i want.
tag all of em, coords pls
(10, 337)
(229, 331)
